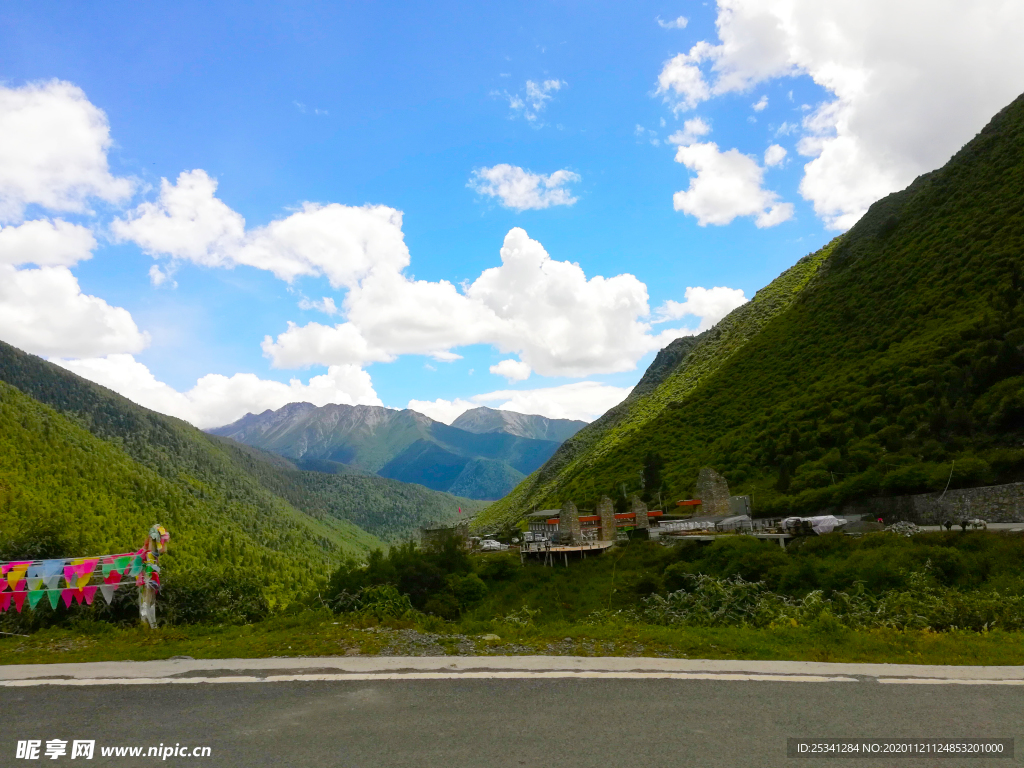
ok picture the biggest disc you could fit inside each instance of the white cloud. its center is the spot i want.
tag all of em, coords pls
(728, 184)
(901, 102)
(445, 411)
(692, 130)
(513, 370)
(774, 155)
(679, 22)
(583, 400)
(325, 305)
(158, 276)
(547, 312)
(681, 80)
(43, 311)
(216, 400)
(531, 103)
(46, 243)
(709, 304)
(342, 243)
(522, 190)
(760, 104)
(54, 150)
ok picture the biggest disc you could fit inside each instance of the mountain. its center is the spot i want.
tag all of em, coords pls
(90, 470)
(401, 445)
(485, 420)
(890, 361)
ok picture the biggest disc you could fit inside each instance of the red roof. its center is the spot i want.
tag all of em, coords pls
(688, 503)
(620, 516)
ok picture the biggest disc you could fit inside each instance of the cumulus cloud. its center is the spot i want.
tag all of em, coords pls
(54, 150)
(774, 155)
(901, 103)
(342, 243)
(522, 190)
(547, 312)
(728, 184)
(760, 104)
(46, 243)
(559, 322)
(513, 370)
(679, 22)
(708, 304)
(216, 400)
(44, 311)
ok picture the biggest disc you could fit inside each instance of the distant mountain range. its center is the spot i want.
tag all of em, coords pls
(482, 455)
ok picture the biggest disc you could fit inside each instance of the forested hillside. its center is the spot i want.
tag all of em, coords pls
(389, 509)
(888, 362)
(64, 488)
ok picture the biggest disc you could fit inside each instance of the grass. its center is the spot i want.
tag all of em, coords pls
(322, 634)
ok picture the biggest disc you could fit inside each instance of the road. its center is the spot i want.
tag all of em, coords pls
(500, 711)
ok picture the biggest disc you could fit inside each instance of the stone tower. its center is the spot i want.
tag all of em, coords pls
(639, 509)
(713, 492)
(569, 525)
(606, 510)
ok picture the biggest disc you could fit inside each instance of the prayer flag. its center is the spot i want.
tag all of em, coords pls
(34, 596)
(19, 600)
(16, 574)
(53, 595)
(108, 591)
(89, 593)
(67, 595)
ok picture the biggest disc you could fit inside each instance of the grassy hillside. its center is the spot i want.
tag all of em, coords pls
(868, 368)
(61, 484)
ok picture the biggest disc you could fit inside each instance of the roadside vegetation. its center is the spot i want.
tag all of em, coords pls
(951, 598)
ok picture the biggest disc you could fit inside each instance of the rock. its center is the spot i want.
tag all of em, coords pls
(903, 528)
(490, 637)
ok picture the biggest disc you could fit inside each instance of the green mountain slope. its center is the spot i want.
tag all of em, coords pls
(389, 509)
(401, 445)
(868, 368)
(56, 477)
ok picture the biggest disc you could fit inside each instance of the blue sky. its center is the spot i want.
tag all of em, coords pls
(420, 108)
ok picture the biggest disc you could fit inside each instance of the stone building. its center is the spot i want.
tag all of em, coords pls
(569, 525)
(713, 492)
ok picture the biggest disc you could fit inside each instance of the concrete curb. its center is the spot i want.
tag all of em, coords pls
(482, 667)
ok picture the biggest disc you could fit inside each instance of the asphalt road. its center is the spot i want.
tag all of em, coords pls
(733, 716)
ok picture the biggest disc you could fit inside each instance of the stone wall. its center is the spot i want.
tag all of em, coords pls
(992, 503)
(639, 509)
(606, 510)
(569, 525)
